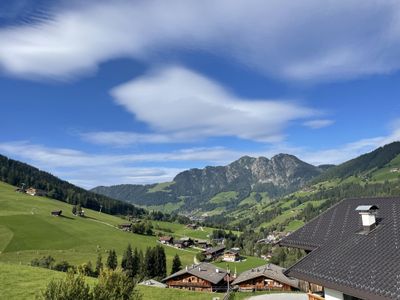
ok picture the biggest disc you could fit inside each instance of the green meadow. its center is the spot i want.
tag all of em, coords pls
(28, 231)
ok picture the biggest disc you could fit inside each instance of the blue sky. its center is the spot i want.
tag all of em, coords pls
(110, 92)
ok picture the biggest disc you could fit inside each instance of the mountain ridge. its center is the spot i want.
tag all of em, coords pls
(279, 175)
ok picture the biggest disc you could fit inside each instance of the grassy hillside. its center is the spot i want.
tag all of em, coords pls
(28, 231)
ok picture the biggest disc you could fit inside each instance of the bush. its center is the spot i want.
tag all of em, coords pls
(115, 285)
(112, 285)
(63, 266)
(43, 262)
(73, 287)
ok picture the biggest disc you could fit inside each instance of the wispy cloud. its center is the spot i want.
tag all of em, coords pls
(89, 169)
(317, 124)
(281, 38)
(179, 104)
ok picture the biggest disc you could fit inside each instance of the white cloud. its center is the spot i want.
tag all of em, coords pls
(316, 124)
(90, 170)
(182, 105)
(304, 40)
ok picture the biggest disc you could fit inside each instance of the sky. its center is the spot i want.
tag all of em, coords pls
(112, 92)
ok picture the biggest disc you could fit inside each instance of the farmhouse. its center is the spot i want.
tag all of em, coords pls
(231, 255)
(213, 253)
(35, 192)
(193, 226)
(268, 277)
(166, 240)
(125, 227)
(200, 277)
(56, 213)
(202, 244)
(355, 251)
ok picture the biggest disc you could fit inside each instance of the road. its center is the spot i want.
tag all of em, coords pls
(286, 296)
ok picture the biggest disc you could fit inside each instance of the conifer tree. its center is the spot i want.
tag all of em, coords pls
(99, 265)
(160, 269)
(127, 262)
(112, 261)
(149, 266)
(176, 264)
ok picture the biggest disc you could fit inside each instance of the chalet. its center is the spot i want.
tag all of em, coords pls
(153, 283)
(353, 251)
(201, 277)
(231, 255)
(268, 277)
(213, 253)
(202, 244)
(168, 240)
(56, 213)
(125, 227)
(193, 226)
(180, 244)
(35, 192)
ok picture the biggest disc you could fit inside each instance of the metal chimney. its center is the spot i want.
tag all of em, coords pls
(368, 216)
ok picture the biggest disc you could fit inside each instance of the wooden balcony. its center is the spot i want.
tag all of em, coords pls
(312, 296)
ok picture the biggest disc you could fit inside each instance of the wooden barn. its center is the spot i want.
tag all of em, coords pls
(267, 277)
(201, 277)
(56, 213)
(213, 253)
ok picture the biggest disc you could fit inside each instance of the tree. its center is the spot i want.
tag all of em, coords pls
(99, 265)
(86, 269)
(149, 263)
(74, 210)
(63, 266)
(176, 264)
(115, 285)
(43, 262)
(160, 268)
(112, 260)
(200, 256)
(136, 263)
(73, 287)
(127, 262)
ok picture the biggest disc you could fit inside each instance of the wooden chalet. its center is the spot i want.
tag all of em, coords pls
(166, 240)
(213, 253)
(35, 192)
(231, 255)
(125, 227)
(193, 226)
(266, 278)
(201, 277)
(353, 251)
(56, 213)
(202, 244)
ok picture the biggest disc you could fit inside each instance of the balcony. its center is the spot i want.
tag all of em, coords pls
(312, 296)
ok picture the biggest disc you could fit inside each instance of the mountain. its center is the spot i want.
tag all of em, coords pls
(363, 164)
(221, 186)
(374, 174)
(17, 173)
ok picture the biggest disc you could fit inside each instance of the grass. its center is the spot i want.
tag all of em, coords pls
(248, 263)
(167, 207)
(223, 197)
(27, 231)
(25, 282)
(294, 225)
(161, 187)
(154, 293)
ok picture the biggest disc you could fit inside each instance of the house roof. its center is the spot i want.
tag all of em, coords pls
(270, 271)
(215, 249)
(360, 265)
(153, 283)
(204, 271)
(232, 251)
(166, 238)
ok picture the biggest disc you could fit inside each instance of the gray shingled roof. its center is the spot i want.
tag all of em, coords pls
(204, 271)
(270, 271)
(216, 249)
(361, 265)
